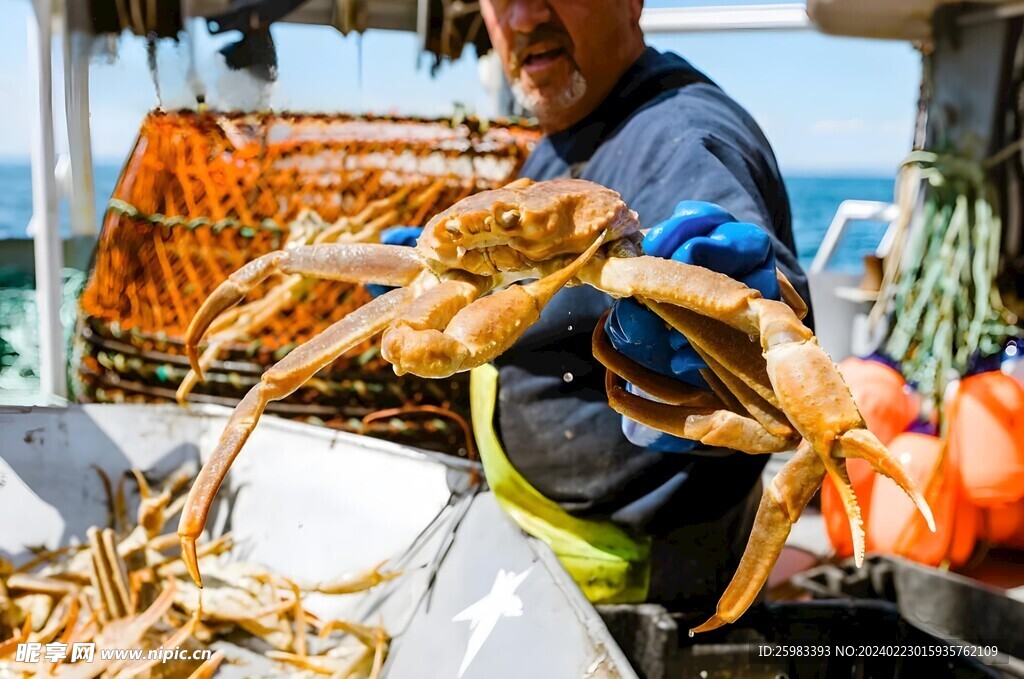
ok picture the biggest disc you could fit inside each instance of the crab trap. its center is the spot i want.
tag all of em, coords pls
(203, 193)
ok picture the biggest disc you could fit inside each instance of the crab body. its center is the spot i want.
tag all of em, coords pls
(521, 228)
(456, 307)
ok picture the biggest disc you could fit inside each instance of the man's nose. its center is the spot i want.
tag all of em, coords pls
(525, 15)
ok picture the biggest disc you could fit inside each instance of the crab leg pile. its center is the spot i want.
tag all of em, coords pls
(459, 305)
(126, 589)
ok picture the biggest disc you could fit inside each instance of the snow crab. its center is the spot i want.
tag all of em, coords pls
(457, 305)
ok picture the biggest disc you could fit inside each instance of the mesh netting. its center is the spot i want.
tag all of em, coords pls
(201, 194)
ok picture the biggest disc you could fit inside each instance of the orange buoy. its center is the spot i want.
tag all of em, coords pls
(987, 431)
(894, 525)
(1004, 526)
(965, 532)
(881, 395)
(837, 525)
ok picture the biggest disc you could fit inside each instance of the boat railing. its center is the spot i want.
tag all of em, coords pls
(849, 212)
(840, 303)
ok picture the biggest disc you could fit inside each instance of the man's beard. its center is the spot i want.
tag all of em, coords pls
(560, 100)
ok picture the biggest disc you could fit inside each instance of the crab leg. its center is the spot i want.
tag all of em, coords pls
(124, 633)
(111, 575)
(254, 315)
(279, 381)
(657, 385)
(726, 386)
(803, 378)
(416, 337)
(782, 503)
(720, 346)
(820, 406)
(712, 427)
(390, 265)
(209, 666)
(684, 411)
(480, 331)
(790, 296)
(357, 582)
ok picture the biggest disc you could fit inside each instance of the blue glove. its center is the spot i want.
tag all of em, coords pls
(705, 235)
(397, 235)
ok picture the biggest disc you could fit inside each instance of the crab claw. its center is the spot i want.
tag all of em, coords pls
(188, 555)
(390, 265)
(227, 294)
(782, 503)
(861, 443)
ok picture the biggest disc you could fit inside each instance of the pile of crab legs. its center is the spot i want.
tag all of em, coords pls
(461, 299)
(126, 589)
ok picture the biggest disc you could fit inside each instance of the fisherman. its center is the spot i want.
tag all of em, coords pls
(658, 131)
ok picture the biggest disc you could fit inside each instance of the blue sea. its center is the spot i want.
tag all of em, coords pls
(814, 202)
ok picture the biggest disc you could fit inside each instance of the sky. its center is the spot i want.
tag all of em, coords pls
(830, 106)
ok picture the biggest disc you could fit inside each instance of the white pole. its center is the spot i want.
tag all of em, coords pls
(44, 225)
(76, 45)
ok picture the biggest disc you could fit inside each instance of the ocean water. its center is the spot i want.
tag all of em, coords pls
(814, 201)
(16, 197)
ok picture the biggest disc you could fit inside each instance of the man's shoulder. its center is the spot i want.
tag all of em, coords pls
(692, 114)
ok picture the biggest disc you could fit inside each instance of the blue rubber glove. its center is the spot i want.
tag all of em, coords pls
(397, 235)
(705, 235)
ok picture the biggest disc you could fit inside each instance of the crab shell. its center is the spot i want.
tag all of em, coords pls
(517, 228)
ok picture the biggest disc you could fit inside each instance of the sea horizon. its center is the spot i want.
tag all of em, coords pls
(814, 195)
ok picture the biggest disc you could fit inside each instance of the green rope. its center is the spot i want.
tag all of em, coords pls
(245, 230)
(947, 307)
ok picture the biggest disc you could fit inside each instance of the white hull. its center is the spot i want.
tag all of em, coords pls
(313, 504)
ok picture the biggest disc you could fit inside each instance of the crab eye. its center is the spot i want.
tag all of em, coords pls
(510, 218)
(453, 227)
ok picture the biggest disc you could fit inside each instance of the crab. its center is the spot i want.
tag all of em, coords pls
(461, 298)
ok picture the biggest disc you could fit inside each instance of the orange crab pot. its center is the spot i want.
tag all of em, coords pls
(987, 433)
(894, 525)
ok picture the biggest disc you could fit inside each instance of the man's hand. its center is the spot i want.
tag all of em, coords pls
(397, 235)
(704, 235)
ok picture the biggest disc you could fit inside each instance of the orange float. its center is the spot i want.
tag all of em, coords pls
(894, 526)
(881, 395)
(966, 527)
(1004, 526)
(987, 432)
(837, 524)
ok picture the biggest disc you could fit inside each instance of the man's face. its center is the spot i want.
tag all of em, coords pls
(562, 57)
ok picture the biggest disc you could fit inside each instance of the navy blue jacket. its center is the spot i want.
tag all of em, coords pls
(665, 134)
